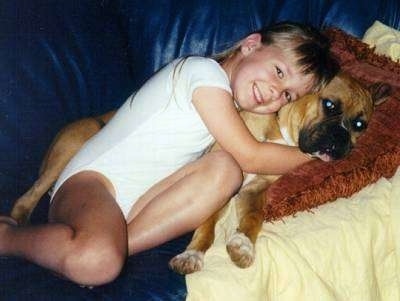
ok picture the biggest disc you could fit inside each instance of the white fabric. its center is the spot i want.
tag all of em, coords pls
(345, 250)
(154, 133)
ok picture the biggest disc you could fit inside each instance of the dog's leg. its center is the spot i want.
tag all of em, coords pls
(241, 245)
(191, 260)
(64, 146)
(24, 205)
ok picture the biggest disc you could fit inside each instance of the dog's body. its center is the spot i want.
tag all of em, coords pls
(324, 125)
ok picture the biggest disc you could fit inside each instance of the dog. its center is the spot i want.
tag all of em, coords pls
(324, 125)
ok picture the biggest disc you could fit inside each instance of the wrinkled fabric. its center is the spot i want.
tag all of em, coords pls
(384, 40)
(345, 250)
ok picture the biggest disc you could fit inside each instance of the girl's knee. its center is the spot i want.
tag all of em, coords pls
(226, 171)
(94, 263)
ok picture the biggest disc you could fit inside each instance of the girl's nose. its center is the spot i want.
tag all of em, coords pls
(275, 92)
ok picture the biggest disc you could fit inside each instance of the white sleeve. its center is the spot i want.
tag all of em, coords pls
(194, 72)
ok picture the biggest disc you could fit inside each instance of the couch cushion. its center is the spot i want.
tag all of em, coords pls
(59, 60)
(159, 31)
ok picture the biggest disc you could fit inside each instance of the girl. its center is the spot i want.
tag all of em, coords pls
(142, 180)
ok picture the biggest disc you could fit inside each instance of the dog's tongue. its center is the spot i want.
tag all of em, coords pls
(324, 157)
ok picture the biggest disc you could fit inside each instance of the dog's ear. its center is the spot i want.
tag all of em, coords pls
(380, 92)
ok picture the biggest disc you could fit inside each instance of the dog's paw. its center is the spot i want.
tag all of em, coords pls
(21, 214)
(241, 250)
(187, 262)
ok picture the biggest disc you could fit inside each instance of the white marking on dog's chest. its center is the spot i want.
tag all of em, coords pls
(286, 136)
(285, 140)
(248, 178)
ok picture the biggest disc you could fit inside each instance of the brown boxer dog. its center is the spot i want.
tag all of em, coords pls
(324, 125)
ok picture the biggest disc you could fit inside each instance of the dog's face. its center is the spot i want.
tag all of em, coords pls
(327, 124)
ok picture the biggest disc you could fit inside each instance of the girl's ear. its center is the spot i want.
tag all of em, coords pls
(250, 43)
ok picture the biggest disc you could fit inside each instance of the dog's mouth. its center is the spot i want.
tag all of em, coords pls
(327, 142)
(322, 156)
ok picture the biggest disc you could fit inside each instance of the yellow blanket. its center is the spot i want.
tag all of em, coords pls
(346, 250)
(385, 39)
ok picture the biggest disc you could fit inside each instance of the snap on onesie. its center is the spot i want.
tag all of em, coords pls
(154, 133)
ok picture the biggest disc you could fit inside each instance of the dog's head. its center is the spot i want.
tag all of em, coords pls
(327, 124)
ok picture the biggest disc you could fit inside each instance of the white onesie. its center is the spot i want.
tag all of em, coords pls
(155, 132)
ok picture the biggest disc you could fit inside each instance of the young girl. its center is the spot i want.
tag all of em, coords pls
(144, 180)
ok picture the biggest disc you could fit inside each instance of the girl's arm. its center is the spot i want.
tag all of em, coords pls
(218, 112)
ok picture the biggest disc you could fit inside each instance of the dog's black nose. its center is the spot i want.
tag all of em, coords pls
(328, 138)
(337, 143)
(329, 150)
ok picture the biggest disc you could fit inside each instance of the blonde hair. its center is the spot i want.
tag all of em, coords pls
(308, 45)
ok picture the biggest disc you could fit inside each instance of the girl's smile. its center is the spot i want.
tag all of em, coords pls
(257, 95)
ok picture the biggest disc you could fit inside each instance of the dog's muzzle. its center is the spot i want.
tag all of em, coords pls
(327, 141)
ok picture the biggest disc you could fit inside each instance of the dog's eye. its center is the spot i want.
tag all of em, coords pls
(329, 104)
(359, 124)
(330, 107)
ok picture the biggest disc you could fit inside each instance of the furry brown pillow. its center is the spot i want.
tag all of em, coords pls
(377, 153)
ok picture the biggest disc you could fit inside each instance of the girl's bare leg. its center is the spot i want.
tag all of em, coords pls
(182, 201)
(85, 239)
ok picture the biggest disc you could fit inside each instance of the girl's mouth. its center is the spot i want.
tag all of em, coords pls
(257, 94)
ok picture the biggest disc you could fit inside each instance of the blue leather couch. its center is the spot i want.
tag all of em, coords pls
(61, 60)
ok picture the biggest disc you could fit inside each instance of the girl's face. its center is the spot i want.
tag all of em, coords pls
(264, 78)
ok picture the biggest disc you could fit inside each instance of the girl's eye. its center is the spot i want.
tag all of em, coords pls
(279, 72)
(288, 97)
